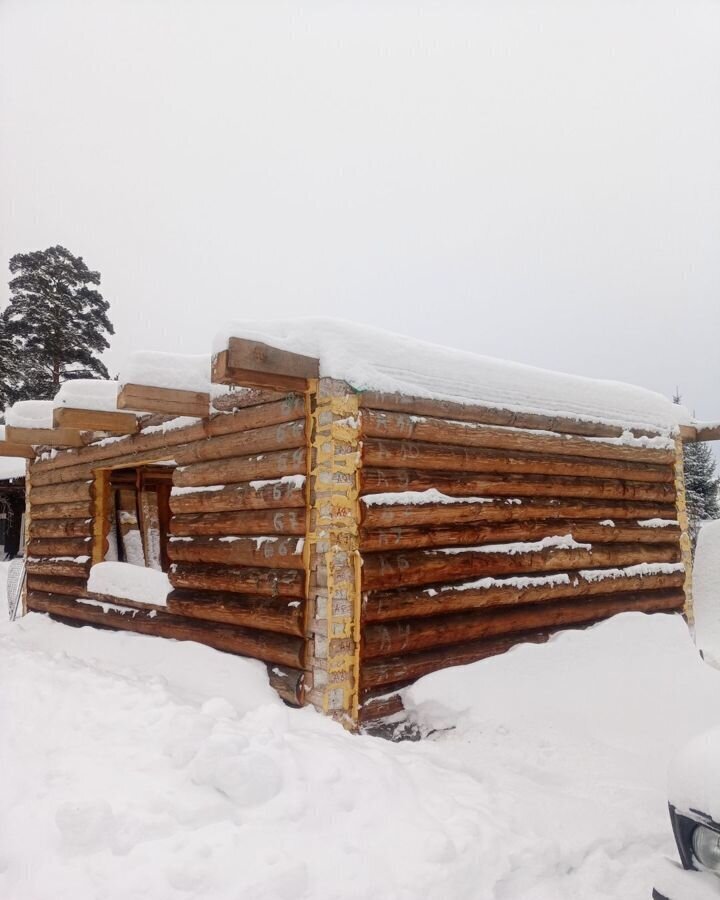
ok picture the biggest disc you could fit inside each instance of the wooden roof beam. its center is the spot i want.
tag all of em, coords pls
(47, 437)
(255, 364)
(146, 398)
(65, 417)
(12, 448)
(702, 431)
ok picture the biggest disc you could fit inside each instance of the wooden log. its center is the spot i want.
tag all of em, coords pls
(13, 448)
(82, 509)
(242, 468)
(241, 397)
(289, 683)
(710, 432)
(396, 670)
(68, 586)
(274, 495)
(269, 647)
(130, 536)
(46, 437)
(478, 534)
(164, 400)
(255, 522)
(263, 582)
(445, 409)
(95, 420)
(257, 364)
(264, 613)
(58, 568)
(385, 606)
(73, 492)
(412, 635)
(60, 528)
(374, 708)
(287, 409)
(458, 484)
(286, 436)
(415, 567)
(60, 547)
(269, 552)
(152, 446)
(402, 426)
(444, 457)
(398, 515)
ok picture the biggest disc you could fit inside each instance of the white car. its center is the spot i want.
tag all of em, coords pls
(695, 818)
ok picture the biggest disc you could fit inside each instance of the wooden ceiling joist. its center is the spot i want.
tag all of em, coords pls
(47, 437)
(255, 364)
(95, 420)
(146, 398)
(12, 448)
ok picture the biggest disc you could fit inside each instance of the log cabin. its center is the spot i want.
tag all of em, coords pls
(352, 508)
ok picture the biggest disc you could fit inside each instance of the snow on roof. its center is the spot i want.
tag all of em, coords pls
(88, 393)
(183, 372)
(370, 359)
(30, 414)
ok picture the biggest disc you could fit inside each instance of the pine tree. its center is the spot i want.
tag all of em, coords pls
(10, 371)
(56, 319)
(701, 484)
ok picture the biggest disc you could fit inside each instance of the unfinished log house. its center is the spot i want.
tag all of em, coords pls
(356, 526)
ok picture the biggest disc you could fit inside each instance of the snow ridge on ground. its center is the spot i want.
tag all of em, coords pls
(135, 767)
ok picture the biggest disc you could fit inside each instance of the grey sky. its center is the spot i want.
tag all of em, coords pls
(533, 180)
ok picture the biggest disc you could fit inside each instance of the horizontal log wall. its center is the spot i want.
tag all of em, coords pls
(442, 583)
(238, 521)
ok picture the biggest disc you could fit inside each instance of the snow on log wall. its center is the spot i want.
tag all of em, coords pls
(237, 531)
(475, 537)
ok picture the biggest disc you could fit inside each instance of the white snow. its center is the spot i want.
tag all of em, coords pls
(706, 591)
(179, 491)
(657, 523)
(87, 393)
(369, 358)
(641, 569)
(129, 582)
(171, 425)
(693, 782)
(140, 768)
(513, 581)
(168, 370)
(553, 542)
(30, 414)
(418, 498)
(296, 481)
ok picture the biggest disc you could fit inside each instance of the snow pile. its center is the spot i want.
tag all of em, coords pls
(128, 582)
(183, 372)
(372, 359)
(693, 776)
(30, 414)
(419, 498)
(138, 767)
(88, 393)
(706, 591)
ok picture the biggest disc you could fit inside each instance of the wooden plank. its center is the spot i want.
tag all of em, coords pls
(264, 613)
(256, 364)
(397, 515)
(411, 635)
(466, 484)
(402, 426)
(82, 509)
(95, 420)
(46, 437)
(263, 582)
(273, 495)
(60, 528)
(446, 457)
(241, 397)
(384, 606)
(164, 400)
(68, 586)
(446, 409)
(13, 448)
(284, 436)
(707, 433)
(60, 568)
(243, 468)
(416, 567)
(269, 552)
(246, 522)
(71, 492)
(72, 547)
(400, 538)
(267, 646)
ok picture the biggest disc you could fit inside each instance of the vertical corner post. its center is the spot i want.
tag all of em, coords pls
(682, 516)
(333, 620)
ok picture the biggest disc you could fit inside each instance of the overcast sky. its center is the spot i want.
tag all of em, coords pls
(534, 180)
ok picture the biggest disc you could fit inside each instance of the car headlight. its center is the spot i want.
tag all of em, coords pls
(706, 847)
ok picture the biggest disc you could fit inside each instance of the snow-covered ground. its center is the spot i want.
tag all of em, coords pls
(133, 767)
